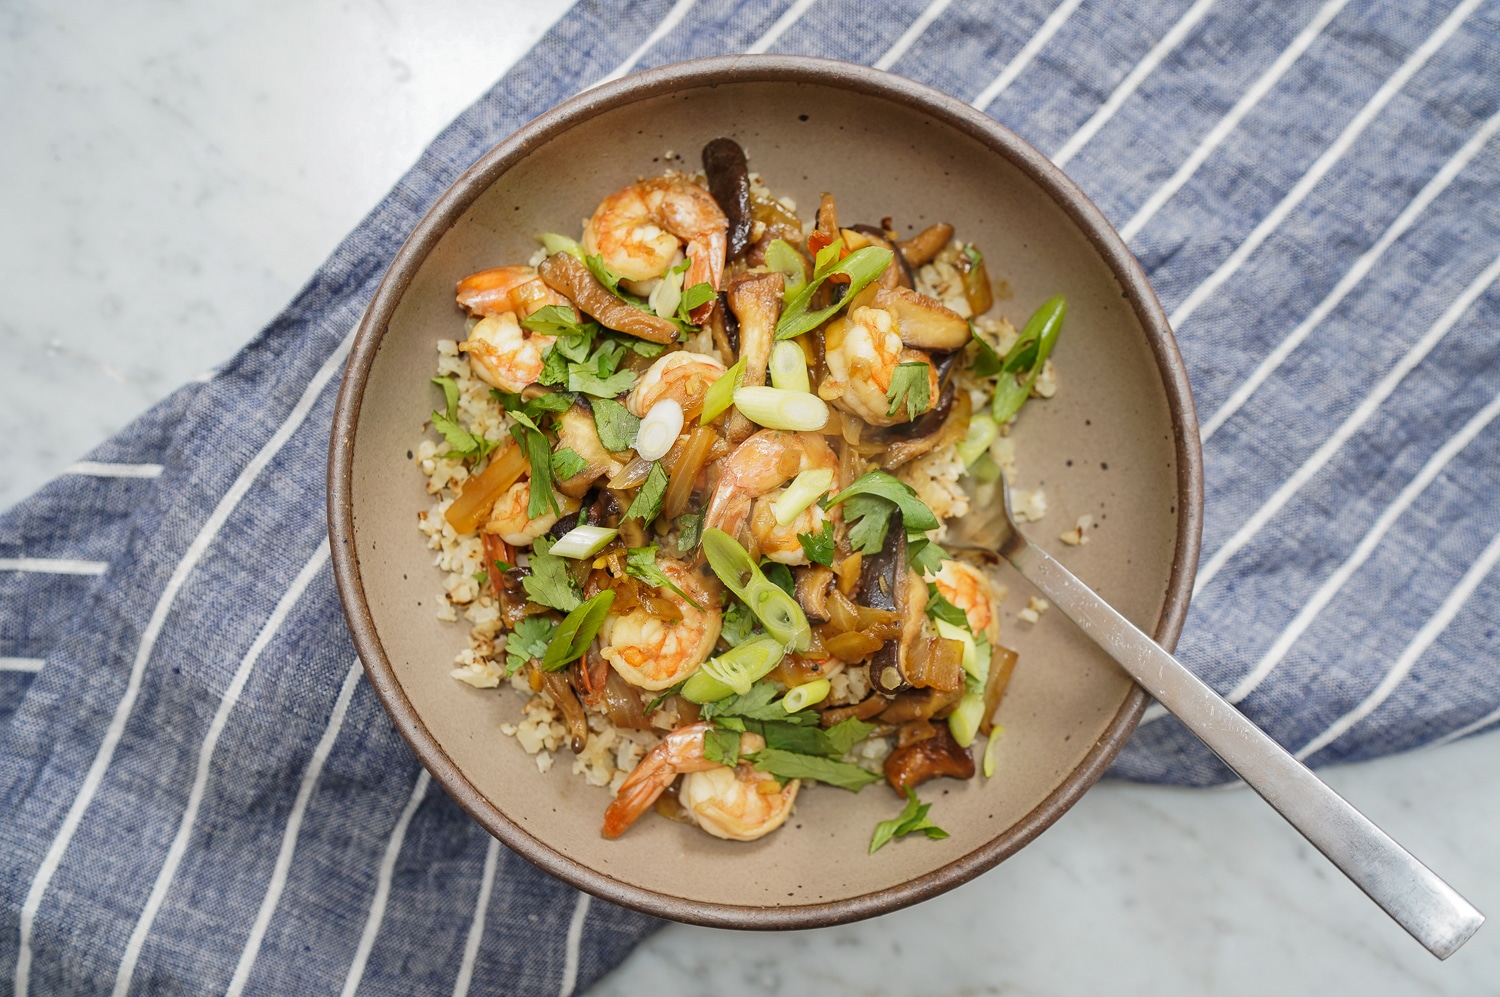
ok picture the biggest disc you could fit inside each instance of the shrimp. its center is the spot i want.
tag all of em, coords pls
(654, 654)
(682, 376)
(723, 808)
(780, 543)
(507, 289)
(970, 590)
(638, 230)
(761, 464)
(503, 355)
(740, 803)
(508, 519)
(862, 351)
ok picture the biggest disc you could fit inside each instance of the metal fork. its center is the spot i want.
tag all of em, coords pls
(1431, 910)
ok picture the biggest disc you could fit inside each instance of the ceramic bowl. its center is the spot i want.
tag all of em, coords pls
(1118, 442)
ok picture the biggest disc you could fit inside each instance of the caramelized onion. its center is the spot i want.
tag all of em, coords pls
(632, 475)
(685, 470)
(1002, 663)
(852, 647)
(936, 664)
(864, 710)
(622, 703)
(472, 507)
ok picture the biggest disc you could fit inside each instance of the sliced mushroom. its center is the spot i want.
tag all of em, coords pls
(899, 275)
(887, 582)
(567, 275)
(813, 584)
(576, 431)
(561, 692)
(947, 423)
(863, 710)
(926, 244)
(729, 182)
(924, 322)
(755, 299)
(938, 755)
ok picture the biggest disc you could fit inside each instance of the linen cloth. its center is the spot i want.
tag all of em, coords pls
(199, 792)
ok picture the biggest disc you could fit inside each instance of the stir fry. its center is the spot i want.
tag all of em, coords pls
(691, 488)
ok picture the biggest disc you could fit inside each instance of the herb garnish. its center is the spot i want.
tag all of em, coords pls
(910, 386)
(527, 641)
(640, 562)
(819, 546)
(464, 444)
(549, 583)
(868, 504)
(721, 745)
(860, 266)
(616, 426)
(647, 503)
(577, 631)
(913, 819)
(566, 463)
(788, 765)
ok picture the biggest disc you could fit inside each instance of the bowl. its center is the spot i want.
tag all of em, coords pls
(1118, 442)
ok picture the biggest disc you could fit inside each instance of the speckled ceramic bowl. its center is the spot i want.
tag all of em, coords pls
(1119, 441)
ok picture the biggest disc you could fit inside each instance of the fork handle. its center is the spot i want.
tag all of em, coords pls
(1431, 910)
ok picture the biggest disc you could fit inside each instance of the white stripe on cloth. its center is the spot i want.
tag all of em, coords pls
(53, 566)
(1424, 639)
(674, 17)
(1231, 121)
(1050, 27)
(1467, 729)
(476, 926)
(789, 17)
(1362, 553)
(282, 869)
(1132, 82)
(1323, 164)
(1357, 273)
(126, 973)
(100, 469)
(1348, 427)
(116, 729)
(911, 34)
(383, 885)
(574, 951)
(21, 664)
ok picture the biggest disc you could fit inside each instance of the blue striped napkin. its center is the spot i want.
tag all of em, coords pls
(201, 794)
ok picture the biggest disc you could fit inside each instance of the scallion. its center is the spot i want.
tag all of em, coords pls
(983, 431)
(659, 429)
(972, 664)
(989, 750)
(555, 243)
(805, 695)
(583, 541)
(736, 670)
(720, 394)
(805, 489)
(778, 612)
(789, 368)
(775, 408)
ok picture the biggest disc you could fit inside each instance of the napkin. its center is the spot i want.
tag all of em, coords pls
(200, 793)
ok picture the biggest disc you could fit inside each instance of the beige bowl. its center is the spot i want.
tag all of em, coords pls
(1118, 442)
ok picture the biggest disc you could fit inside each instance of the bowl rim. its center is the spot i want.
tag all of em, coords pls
(450, 207)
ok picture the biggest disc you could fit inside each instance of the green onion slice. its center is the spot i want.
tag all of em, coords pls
(555, 243)
(777, 611)
(809, 694)
(1027, 357)
(989, 750)
(742, 666)
(583, 541)
(805, 489)
(720, 394)
(775, 408)
(789, 368)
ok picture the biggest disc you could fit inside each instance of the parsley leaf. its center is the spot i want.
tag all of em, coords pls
(868, 517)
(640, 562)
(549, 583)
(699, 294)
(910, 386)
(690, 531)
(577, 631)
(869, 502)
(527, 641)
(556, 320)
(607, 277)
(464, 443)
(846, 734)
(939, 608)
(539, 454)
(739, 623)
(721, 745)
(913, 818)
(582, 378)
(616, 426)
(925, 556)
(647, 503)
(780, 576)
(533, 410)
(789, 765)
(819, 546)
(566, 463)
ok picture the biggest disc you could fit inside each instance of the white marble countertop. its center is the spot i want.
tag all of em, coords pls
(171, 174)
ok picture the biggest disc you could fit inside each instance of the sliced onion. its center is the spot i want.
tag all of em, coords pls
(583, 541)
(632, 475)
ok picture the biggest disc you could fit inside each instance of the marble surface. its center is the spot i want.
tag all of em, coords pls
(172, 173)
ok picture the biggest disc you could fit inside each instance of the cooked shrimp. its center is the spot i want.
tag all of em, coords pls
(639, 229)
(503, 354)
(780, 543)
(740, 803)
(969, 589)
(679, 752)
(862, 351)
(508, 519)
(652, 653)
(761, 464)
(506, 289)
(682, 376)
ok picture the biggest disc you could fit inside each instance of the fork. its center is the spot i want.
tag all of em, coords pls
(1413, 895)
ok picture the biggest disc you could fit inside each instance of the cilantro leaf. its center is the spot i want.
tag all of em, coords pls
(587, 380)
(663, 696)
(913, 818)
(555, 320)
(450, 394)
(739, 623)
(554, 368)
(868, 517)
(640, 562)
(860, 266)
(699, 294)
(577, 631)
(868, 506)
(527, 641)
(910, 386)
(539, 454)
(566, 463)
(690, 531)
(819, 546)
(721, 745)
(789, 765)
(533, 410)
(987, 362)
(549, 583)
(616, 426)
(780, 576)
(464, 444)
(607, 277)
(939, 608)
(925, 556)
(647, 503)
(758, 705)
(846, 734)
